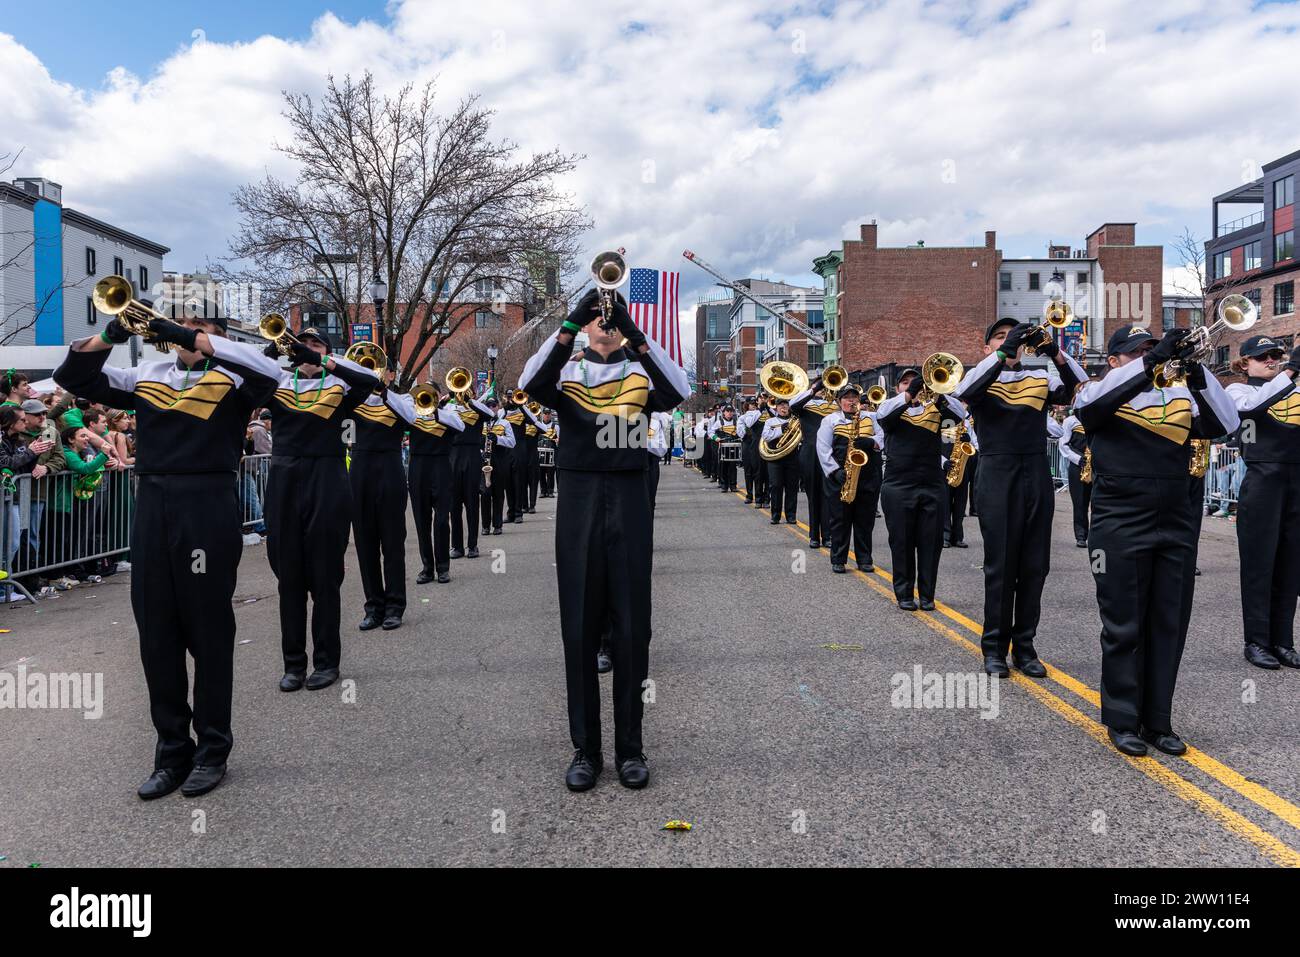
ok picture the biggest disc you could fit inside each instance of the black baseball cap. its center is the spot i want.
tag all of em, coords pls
(1126, 339)
(849, 390)
(311, 332)
(910, 370)
(1257, 346)
(998, 324)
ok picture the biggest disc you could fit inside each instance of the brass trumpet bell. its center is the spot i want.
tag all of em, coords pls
(782, 380)
(425, 397)
(273, 327)
(835, 378)
(874, 396)
(458, 380)
(368, 356)
(519, 397)
(941, 373)
(114, 296)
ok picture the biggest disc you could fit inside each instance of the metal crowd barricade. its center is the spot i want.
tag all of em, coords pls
(1223, 478)
(47, 531)
(1058, 466)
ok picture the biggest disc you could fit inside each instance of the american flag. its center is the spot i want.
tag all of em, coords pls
(653, 304)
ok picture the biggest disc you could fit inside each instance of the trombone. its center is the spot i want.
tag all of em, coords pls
(113, 296)
(274, 327)
(941, 373)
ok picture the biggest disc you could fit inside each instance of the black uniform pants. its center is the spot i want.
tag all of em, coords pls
(727, 474)
(185, 560)
(379, 530)
(466, 471)
(532, 475)
(1080, 498)
(813, 486)
(501, 489)
(956, 512)
(1268, 539)
(652, 478)
(603, 563)
(913, 510)
(1015, 514)
(1143, 556)
(548, 481)
(429, 484)
(856, 519)
(308, 502)
(783, 484)
(974, 470)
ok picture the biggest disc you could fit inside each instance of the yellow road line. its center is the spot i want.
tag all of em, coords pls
(1275, 804)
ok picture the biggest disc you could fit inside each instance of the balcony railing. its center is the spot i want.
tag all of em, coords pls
(1253, 219)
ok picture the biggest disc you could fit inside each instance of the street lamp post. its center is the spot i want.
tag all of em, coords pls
(379, 293)
(492, 368)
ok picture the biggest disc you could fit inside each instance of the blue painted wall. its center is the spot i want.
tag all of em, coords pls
(47, 223)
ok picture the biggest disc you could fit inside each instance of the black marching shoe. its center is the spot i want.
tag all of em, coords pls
(203, 779)
(633, 773)
(392, 621)
(1261, 657)
(424, 577)
(472, 553)
(866, 567)
(162, 783)
(792, 521)
(487, 529)
(1165, 741)
(838, 568)
(1127, 742)
(749, 501)
(960, 545)
(369, 623)
(996, 665)
(947, 544)
(443, 578)
(907, 604)
(775, 521)
(457, 553)
(292, 681)
(582, 772)
(927, 604)
(519, 520)
(814, 543)
(1081, 543)
(322, 678)
(1286, 656)
(496, 531)
(1030, 666)
(604, 663)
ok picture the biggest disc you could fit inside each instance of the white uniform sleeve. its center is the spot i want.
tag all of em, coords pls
(825, 443)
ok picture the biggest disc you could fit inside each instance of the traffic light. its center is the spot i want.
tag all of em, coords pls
(704, 385)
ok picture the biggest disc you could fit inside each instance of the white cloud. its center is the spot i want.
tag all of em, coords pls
(770, 134)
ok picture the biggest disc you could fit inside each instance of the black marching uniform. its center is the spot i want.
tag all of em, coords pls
(186, 542)
(782, 473)
(1141, 535)
(492, 496)
(379, 504)
(856, 519)
(954, 532)
(308, 500)
(1016, 495)
(726, 434)
(466, 475)
(547, 438)
(1074, 449)
(517, 488)
(755, 468)
(430, 485)
(810, 413)
(604, 526)
(1268, 510)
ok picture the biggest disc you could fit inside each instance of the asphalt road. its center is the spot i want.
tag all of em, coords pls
(773, 729)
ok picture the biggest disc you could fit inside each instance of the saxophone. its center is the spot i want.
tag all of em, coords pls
(1085, 470)
(854, 460)
(962, 450)
(1200, 463)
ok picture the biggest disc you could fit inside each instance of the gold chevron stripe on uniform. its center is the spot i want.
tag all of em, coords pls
(1286, 411)
(530, 430)
(199, 400)
(822, 408)
(1172, 421)
(498, 429)
(380, 414)
(323, 404)
(1031, 391)
(864, 430)
(515, 418)
(728, 429)
(1078, 430)
(468, 416)
(929, 419)
(625, 398)
(431, 425)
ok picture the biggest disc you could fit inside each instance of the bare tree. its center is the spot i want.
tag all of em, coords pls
(1196, 281)
(387, 187)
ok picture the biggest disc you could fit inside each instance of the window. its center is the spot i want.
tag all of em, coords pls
(90, 261)
(1284, 298)
(1253, 296)
(1284, 192)
(485, 289)
(1167, 318)
(1253, 255)
(1198, 318)
(119, 267)
(1081, 279)
(760, 336)
(1222, 265)
(1004, 281)
(91, 316)
(486, 319)
(1221, 355)
(1284, 246)
(144, 279)
(1033, 280)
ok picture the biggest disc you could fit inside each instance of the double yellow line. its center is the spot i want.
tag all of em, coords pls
(1274, 849)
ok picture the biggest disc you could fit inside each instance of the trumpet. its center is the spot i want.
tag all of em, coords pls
(1235, 313)
(535, 407)
(873, 397)
(835, 378)
(1058, 316)
(608, 271)
(274, 327)
(426, 398)
(519, 397)
(113, 296)
(941, 373)
(458, 380)
(368, 356)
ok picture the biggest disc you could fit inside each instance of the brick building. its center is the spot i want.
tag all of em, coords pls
(758, 336)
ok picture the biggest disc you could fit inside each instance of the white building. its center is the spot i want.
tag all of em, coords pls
(1027, 286)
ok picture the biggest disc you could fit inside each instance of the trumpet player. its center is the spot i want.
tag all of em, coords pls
(1073, 444)
(429, 484)
(467, 471)
(379, 503)
(1016, 501)
(307, 495)
(1141, 537)
(191, 411)
(1268, 508)
(811, 406)
(750, 428)
(850, 510)
(604, 527)
(495, 485)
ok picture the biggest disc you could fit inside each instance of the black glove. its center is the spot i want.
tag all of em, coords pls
(587, 309)
(1049, 349)
(301, 354)
(837, 478)
(164, 330)
(1293, 363)
(941, 403)
(914, 388)
(1015, 339)
(115, 332)
(1195, 373)
(1165, 349)
(272, 351)
(623, 323)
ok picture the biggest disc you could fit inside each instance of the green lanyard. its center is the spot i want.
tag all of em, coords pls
(319, 386)
(586, 384)
(186, 385)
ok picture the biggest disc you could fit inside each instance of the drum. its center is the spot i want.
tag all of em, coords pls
(546, 456)
(728, 452)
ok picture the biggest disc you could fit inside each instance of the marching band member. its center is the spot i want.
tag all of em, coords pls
(603, 522)
(1073, 444)
(782, 473)
(430, 487)
(853, 427)
(307, 495)
(912, 494)
(492, 496)
(658, 437)
(379, 504)
(1141, 536)
(750, 429)
(191, 413)
(1016, 492)
(467, 472)
(533, 430)
(811, 407)
(724, 434)
(954, 535)
(516, 490)
(1268, 506)
(548, 426)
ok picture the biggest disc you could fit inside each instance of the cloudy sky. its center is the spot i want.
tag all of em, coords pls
(757, 133)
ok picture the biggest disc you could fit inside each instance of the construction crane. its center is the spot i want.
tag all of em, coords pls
(814, 337)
